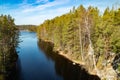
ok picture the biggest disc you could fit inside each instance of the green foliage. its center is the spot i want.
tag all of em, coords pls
(119, 67)
(75, 31)
(117, 17)
(8, 43)
(63, 31)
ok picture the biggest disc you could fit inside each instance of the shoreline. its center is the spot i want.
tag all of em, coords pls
(74, 62)
(100, 73)
(105, 73)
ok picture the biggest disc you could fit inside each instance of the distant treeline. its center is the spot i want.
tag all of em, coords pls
(85, 34)
(32, 28)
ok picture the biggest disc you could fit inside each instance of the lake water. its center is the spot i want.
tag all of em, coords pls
(36, 64)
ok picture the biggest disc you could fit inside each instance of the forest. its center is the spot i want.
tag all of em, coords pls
(86, 35)
(8, 43)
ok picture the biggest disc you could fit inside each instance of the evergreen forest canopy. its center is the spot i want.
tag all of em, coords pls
(86, 35)
(83, 34)
(8, 43)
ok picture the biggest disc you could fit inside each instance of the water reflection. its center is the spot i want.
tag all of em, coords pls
(8, 60)
(63, 66)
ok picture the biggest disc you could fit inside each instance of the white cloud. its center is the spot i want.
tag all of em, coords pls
(36, 13)
(25, 13)
(29, 14)
(38, 1)
(39, 17)
(47, 5)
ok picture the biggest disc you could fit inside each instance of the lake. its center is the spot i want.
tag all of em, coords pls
(36, 62)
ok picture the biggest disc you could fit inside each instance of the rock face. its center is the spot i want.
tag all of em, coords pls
(107, 74)
(116, 65)
(111, 70)
(110, 74)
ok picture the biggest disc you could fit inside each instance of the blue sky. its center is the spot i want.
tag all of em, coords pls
(36, 11)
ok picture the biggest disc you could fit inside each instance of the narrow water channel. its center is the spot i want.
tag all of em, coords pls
(36, 64)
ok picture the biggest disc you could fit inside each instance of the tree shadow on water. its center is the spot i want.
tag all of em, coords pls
(8, 66)
(63, 66)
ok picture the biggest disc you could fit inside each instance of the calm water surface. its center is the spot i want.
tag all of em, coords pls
(36, 64)
(33, 63)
